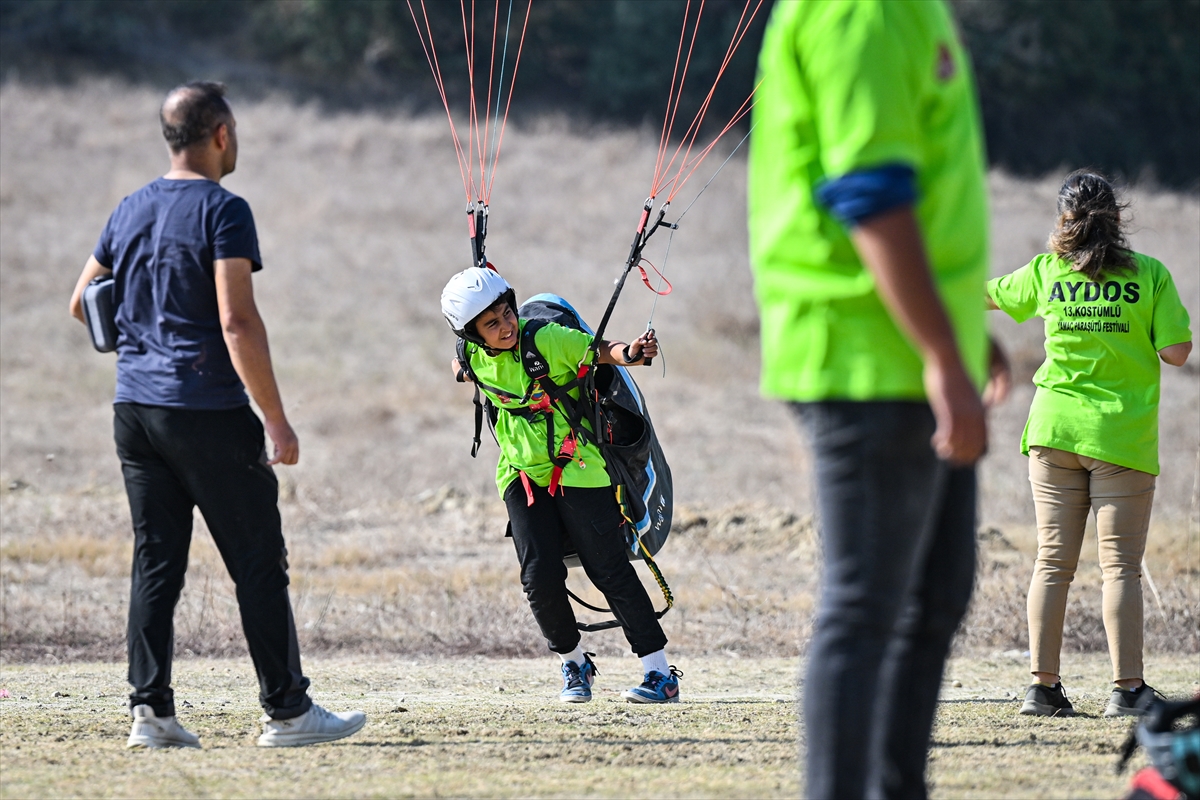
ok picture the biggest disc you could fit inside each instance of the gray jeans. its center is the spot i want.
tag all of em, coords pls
(898, 538)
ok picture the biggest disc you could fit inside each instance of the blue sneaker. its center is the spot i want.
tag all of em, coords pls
(656, 688)
(578, 680)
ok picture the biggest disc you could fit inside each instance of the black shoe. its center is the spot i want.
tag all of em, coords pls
(1130, 702)
(1047, 701)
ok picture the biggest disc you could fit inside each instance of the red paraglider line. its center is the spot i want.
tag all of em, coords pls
(674, 95)
(691, 167)
(487, 114)
(435, 67)
(693, 131)
(472, 117)
(476, 146)
(508, 104)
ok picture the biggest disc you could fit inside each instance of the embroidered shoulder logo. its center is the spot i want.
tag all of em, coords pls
(945, 63)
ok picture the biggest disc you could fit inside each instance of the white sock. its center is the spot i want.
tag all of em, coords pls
(575, 655)
(656, 662)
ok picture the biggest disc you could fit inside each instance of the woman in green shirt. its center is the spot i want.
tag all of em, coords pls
(1092, 432)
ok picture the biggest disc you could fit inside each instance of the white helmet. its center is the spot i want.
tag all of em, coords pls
(469, 294)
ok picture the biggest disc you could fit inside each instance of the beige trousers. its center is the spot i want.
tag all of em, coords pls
(1065, 487)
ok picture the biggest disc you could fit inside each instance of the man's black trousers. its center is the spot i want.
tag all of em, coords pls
(589, 521)
(898, 540)
(173, 461)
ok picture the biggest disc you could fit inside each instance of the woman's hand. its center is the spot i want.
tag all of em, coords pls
(999, 376)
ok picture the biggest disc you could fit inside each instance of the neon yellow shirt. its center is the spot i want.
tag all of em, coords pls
(1098, 389)
(848, 86)
(523, 446)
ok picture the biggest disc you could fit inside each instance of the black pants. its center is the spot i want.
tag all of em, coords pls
(174, 460)
(590, 520)
(898, 535)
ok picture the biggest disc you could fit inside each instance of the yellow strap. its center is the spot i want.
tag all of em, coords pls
(649, 559)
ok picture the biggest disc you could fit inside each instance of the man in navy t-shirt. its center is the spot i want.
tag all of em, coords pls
(190, 345)
(171, 349)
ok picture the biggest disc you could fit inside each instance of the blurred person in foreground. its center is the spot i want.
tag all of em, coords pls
(868, 239)
(1092, 435)
(190, 343)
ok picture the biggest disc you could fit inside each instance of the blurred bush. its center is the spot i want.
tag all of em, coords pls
(1113, 84)
(1109, 83)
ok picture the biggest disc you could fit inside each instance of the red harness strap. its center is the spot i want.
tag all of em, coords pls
(565, 454)
(528, 488)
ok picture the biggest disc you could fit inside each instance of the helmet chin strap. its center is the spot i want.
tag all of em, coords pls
(493, 353)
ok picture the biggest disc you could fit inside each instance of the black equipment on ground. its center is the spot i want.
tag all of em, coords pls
(1173, 748)
(100, 313)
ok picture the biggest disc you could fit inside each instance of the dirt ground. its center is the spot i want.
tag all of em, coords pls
(475, 727)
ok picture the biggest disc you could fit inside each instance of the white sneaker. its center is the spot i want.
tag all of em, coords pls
(312, 727)
(150, 730)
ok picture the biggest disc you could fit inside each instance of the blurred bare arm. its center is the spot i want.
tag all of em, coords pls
(891, 246)
(91, 270)
(1176, 354)
(246, 337)
(999, 375)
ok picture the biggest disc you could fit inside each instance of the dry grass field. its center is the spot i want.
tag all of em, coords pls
(395, 534)
(476, 727)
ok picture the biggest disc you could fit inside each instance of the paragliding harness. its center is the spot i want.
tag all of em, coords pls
(1174, 752)
(613, 406)
(608, 397)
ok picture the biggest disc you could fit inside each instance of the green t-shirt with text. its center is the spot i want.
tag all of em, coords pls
(850, 86)
(1098, 389)
(523, 445)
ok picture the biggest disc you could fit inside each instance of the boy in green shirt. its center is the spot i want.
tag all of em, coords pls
(549, 503)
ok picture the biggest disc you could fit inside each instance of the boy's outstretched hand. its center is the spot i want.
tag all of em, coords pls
(628, 355)
(644, 347)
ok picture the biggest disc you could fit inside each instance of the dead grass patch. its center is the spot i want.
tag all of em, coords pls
(96, 557)
(435, 575)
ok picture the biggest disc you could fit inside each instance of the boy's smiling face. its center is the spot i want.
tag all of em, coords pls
(498, 326)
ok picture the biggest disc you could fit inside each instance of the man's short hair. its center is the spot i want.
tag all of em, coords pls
(192, 112)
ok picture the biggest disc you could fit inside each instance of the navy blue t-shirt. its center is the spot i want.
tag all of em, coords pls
(160, 244)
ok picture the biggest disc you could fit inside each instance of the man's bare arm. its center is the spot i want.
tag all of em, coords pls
(91, 270)
(246, 337)
(891, 247)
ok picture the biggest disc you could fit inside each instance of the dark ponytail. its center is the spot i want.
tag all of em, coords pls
(1089, 233)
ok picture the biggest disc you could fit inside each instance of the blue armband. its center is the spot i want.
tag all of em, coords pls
(857, 196)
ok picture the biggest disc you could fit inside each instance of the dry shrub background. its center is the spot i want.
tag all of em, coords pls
(395, 533)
